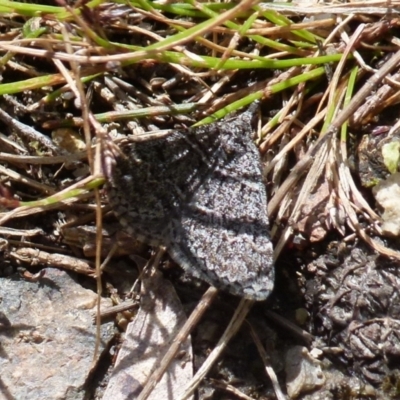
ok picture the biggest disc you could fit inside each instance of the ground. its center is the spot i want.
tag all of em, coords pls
(76, 77)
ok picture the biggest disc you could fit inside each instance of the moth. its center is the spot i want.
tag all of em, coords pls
(200, 193)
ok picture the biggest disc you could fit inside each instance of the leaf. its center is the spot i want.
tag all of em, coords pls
(147, 339)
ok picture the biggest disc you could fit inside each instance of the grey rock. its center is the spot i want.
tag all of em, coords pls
(47, 337)
(303, 372)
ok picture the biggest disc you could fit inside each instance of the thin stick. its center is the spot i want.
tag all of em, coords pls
(268, 368)
(29, 133)
(234, 325)
(192, 321)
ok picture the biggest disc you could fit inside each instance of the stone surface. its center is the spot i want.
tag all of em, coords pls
(387, 193)
(47, 337)
(200, 193)
(303, 372)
